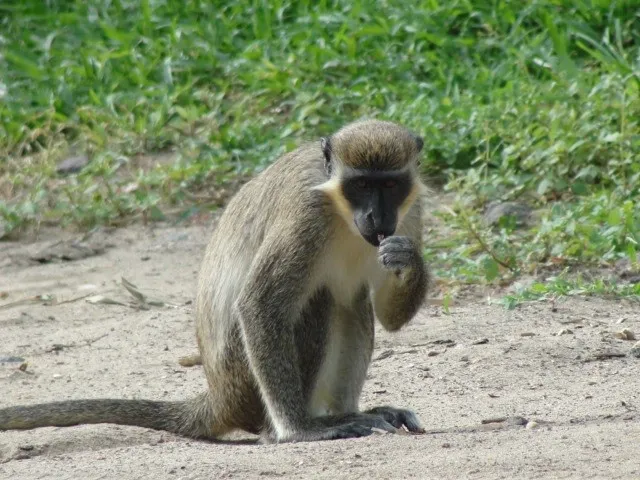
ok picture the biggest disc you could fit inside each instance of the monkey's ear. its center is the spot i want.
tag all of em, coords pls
(325, 145)
(419, 142)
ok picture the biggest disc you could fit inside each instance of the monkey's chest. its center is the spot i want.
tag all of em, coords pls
(345, 275)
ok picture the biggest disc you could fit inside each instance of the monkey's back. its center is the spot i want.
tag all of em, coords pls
(260, 208)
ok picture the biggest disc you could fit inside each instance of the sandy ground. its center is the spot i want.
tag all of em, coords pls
(542, 362)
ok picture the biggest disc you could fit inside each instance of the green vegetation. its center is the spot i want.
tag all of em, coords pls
(532, 101)
(558, 287)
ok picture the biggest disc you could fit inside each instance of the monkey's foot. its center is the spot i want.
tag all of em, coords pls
(362, 427)
(338, 432)
(352, 425)
(399, 417)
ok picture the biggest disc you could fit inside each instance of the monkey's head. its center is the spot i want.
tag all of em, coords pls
(373, 180)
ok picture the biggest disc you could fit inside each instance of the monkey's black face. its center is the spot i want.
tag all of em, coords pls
(375, 197)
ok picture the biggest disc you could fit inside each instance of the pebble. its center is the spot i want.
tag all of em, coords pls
(72, 164)
(497, 210)
(11, 359)
(625, 334)
(565, 331)
(385, 354)
(531, 425)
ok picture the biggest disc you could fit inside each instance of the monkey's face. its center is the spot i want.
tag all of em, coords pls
(375, 197)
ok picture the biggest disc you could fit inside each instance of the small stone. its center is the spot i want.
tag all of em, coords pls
(190, 360)
(446, 445)
(72, 165)
(480, 341)
(487, 421)
(635, 350)
(625, 334)
(11, 359)
(527, 334)
(565, 331)
(621, 320)
(433, 353)
(516, 420)
(385, 354)
(531, 425)
(56, 375)
(497, 210)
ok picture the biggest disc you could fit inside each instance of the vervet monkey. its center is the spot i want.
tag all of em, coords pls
(303, 259)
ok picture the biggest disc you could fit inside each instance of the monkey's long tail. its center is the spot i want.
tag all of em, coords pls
(192, 418)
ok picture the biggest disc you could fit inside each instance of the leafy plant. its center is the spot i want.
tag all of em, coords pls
(538, 103)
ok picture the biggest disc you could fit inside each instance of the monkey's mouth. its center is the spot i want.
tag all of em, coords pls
(372, 235)
(374, 238)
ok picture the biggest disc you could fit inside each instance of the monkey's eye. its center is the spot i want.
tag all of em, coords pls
(362, 183)
(390, 183)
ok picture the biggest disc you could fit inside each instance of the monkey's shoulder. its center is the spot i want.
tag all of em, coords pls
(287, 185)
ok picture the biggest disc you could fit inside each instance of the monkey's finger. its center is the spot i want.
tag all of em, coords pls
(391, 248)
(396, 241)
(395, 261)
(393, 257)
(411, 421)
(381, 424)
(399, 417)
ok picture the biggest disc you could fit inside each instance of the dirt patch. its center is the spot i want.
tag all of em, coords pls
(538, 392)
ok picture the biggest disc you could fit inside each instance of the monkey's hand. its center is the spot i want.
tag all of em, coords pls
(398, 254)
(398, 296)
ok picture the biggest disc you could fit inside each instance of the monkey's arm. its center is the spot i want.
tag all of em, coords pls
(401, 291)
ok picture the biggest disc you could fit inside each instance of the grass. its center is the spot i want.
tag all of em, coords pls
(556, 287)
(535, 101)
